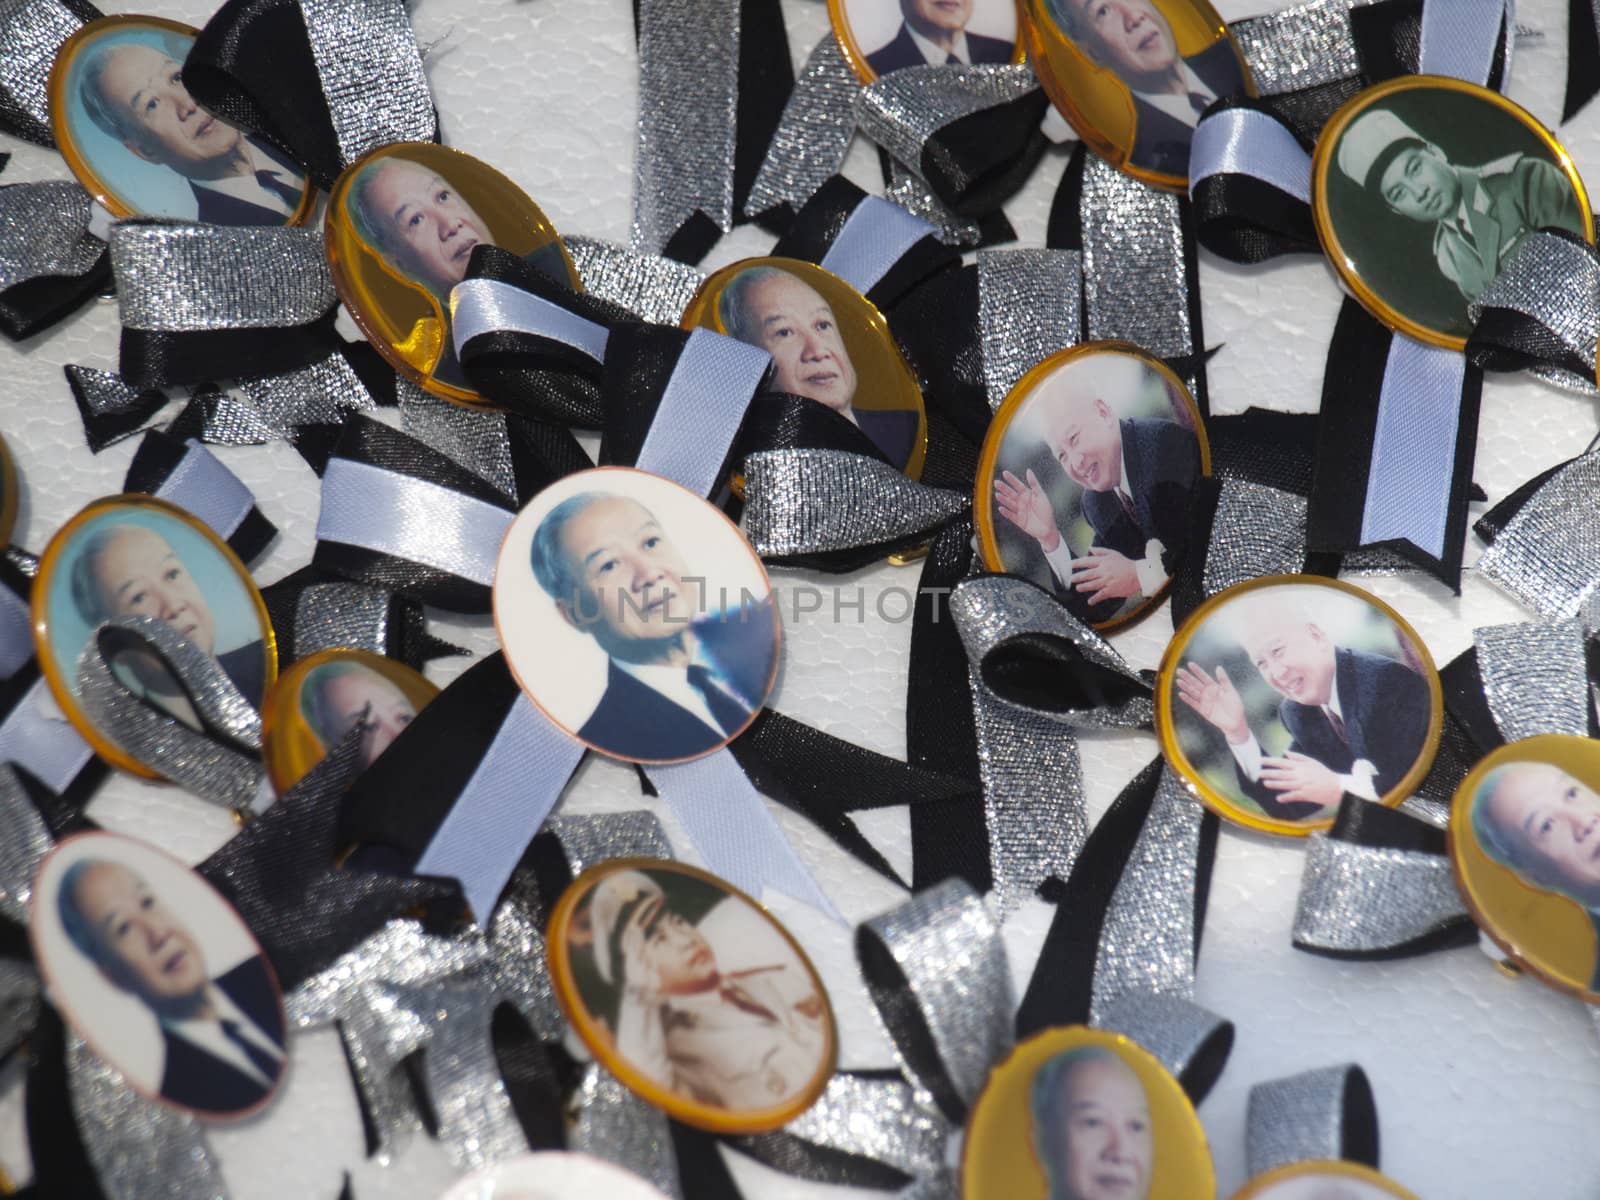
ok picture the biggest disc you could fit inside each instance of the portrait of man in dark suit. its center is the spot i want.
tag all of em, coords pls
(1543, 825)
(1134, 41)
(132, 91)
(1357, 721)
(778, 311)
(223, 1037)
(934, 33)
(1092, 1130)
(682, 677)
(1136, 476)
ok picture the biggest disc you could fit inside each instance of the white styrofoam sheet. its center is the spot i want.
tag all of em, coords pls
(1486, 1088)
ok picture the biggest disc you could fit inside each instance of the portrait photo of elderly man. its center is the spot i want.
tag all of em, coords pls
(1475, 210)
(745, 1038)
(935, 33)
(784, 315)
(1091, 1130)
(1543, 825)
(1128, 478)
(1133, 39)
(222, 1038)
(687, 668)
(1357, 719)
(340, 696)
(130, 88)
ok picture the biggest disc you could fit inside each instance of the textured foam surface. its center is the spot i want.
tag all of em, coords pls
(1486, 1088)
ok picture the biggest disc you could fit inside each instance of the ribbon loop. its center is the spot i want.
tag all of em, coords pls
(874, 237)
(1029, 303)
(31, 34)
(371, 73)
(1534, 678)
(813, 135)
(1547, 555)
(1325, 1114)
(1541, 312)
(49, 261)
(1191, 1042)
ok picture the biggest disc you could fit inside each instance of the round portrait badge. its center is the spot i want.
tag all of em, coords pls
(1133, 76)
(1279, 696)
(142, 147)
(402, 222)
(159, 975)
(636, 616)
(322, 697)
(1086, 476)
(1075, 1111)
(1323, 1179)
(1421, 189)
(691, 994)
(828, 342)
(1524, 830)
(137, 556)
(879, 36)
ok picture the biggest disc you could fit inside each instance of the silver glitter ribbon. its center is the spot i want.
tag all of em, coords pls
(104, 392)
(1300, 47)
(332, 616)
(31, 32)
(612, 1123)
(371, 73)
(1548, 554)
(1557, 283)
(201, 763)
(814, 501)
(132, 1141)
(903, 109)
(24, 841)
(318, 394)
(1302, 1118)
(813, 135)
(880, 1119)
(1258, 530)
(1534, 678)
(688, 109)
(946, 944)
(473, 439)
(1148, 937)
(20, 996)
(1356, 898)
(44, 230)
(179, 277)
(588, 840)
(1176, 1030)
(912, 193)
(1028, 308)
(651, 287)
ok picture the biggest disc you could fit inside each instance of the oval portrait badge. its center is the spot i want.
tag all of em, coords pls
(1077, 1112)
(691, 994)
(1133, 76)
(1279, 696)
(318, 700)
(1085, 479)
(828, 342)
(636, 616)
(140, 145)
(1523, 839)
(879, 36)
(1328, 1179)
(155, 970)
(1421, 189)
(402, 223)
(136, 556)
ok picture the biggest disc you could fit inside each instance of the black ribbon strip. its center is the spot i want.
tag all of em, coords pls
(162, 359)
(158, 455)
(1507, 339)
(783, 1151)
(61, 1162)
(1583, 58)
(111, 409)
(1246, 219)
(406, 636)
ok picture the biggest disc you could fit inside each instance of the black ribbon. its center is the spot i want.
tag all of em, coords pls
(158, 455)
(151, 358)
(33, 305)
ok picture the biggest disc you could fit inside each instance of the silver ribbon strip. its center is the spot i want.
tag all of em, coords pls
(903, 109)
(44, 230)
(814, 501)
(1297, 1119)
(177, 277)
(1357, 898)
(20, 995)
(24, 841)
(31, 32)
(876, 1119)
(1299, 47)
(1134, 282)
(1147, 942)
(947, 945)
(912, 193)
(941, 1186)
(1557, 284)
(371, 73)
(653, 288)
(875, 236)
(1534, 678)
(1172, 1028)
(132, 1141)
(410, 518)
(610, 1122)
(587, 840)
(341, 615)
(16, 632)
(688, 109)
(1548, 555)
(202, 486)
(1258, 530)
(198, 762)
(473, 439)
(1029, 303)
(813, 134)
(1414, 446)
(318, 394)
(37, 736)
